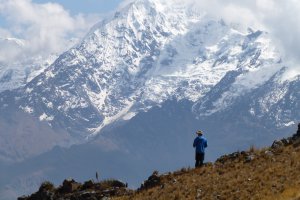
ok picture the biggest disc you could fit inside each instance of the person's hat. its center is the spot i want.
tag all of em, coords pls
(199, 132)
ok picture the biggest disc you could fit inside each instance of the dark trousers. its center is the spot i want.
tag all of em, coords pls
(199, 159)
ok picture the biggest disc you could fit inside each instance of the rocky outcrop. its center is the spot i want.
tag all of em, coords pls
(243, 155)
(70, 185)
(275, 148)
(70, 189)
(152, 181)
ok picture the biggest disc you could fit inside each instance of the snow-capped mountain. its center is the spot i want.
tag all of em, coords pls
(145, 54)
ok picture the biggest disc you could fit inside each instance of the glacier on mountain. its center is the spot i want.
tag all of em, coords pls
(143, 55)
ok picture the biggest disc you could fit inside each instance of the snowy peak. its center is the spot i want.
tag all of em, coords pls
(18, 74)
(10, 48)
(147, 53)
(13, 41)
(143, 57)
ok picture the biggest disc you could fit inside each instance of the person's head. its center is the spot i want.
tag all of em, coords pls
(199, 133)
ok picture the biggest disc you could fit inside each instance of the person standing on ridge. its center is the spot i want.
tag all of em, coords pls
(200, 143)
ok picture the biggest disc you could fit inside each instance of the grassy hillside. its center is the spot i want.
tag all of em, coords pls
(271, 173)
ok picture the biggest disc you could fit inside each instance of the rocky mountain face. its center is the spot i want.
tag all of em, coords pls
(140, 83)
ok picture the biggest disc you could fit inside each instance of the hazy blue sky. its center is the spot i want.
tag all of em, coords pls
(74, 7)
(85, 6)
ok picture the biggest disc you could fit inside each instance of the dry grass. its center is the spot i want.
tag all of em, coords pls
(270, 174)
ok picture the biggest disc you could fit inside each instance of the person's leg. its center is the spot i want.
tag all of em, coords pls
(198, 160)
(201, 160)
(197, 163)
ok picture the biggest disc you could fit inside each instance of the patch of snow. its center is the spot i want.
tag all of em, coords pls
(45, 117)
(129, 116)
(252, 111)
(50, 105)
(257, 77)
(27, 109)
(110, 119)
(17, 41)
(289, 123)
(291, 74)
(28, 90)
(49, 74)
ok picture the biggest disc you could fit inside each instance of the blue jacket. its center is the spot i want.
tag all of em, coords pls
(200, 143)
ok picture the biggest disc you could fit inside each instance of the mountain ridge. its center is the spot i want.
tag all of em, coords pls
(131, 79)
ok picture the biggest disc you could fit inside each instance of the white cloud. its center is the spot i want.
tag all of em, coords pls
(279, 18)
(46, 28)
(4, 33)
(283, 23)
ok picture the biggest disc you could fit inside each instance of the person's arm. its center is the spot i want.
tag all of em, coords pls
(195, 143)
(205, 143)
